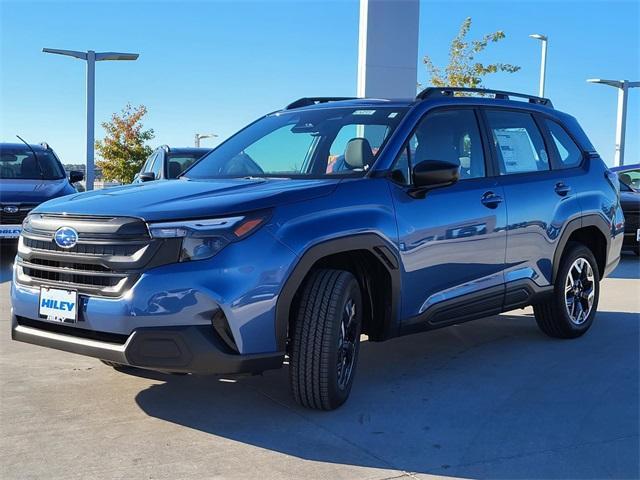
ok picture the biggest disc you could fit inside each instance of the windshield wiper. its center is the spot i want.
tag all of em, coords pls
(34, 156)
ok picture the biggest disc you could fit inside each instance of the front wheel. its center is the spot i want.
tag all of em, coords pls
(326, 339)
(570, 310)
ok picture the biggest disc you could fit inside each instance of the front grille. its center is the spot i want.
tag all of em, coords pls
(124, 250)
(110, 256)
(14, 218)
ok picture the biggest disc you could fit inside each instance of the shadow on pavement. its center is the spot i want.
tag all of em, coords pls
(488, 399)
(629, 267)
(7, 254)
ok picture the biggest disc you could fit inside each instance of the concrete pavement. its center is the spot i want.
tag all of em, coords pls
(488, 399)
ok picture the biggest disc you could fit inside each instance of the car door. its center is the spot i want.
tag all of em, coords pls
(540, 199)
(451, 240)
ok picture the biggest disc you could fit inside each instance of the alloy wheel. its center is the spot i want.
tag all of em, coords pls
(579, 291)
(347, 342)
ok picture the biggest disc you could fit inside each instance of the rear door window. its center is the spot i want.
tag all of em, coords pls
(518, 142)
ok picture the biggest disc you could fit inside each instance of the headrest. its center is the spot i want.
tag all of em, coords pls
(625, 178)
(175, 169)
(358, 153)
(29, 166)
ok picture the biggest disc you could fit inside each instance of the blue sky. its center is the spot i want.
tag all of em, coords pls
(214, 66)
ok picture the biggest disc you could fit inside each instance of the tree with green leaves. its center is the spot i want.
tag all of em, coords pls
(463, 70)
(123, 150)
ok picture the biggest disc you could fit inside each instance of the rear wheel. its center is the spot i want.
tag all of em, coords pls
(570, 310)
(326, 339)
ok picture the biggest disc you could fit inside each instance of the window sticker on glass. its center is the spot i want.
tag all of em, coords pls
(364, 112)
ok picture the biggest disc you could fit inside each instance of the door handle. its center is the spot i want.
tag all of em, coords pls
(491, 200)
(562, 189)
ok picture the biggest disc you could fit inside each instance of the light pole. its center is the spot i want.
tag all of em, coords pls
(200, 136)
(623, 87)
(543, 60)
(91, 58)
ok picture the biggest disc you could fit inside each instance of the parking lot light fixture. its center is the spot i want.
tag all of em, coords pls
(623, 87)
(543, 60)
(200, 136)
(91, 58)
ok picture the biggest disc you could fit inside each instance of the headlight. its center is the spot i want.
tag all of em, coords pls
(202, 239)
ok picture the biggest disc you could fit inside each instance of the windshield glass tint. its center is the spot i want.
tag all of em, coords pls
(22, 165)
(317, 142)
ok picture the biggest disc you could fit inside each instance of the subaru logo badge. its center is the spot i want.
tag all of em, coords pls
(66, 237)
(10, 209)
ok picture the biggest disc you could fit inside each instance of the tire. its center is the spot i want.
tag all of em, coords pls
(326, 339)
(560, 315)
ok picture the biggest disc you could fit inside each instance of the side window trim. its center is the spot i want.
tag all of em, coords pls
(164, 164)
(549, 144)
(491, 160)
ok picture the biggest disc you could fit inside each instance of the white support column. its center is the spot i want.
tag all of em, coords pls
(91, 103)
(388, 48)
(621, 124)
(543, 67)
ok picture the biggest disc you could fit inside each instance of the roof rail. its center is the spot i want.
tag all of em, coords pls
(432, 92)
(306, 101)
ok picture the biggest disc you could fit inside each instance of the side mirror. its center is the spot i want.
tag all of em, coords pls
(147, 177)
(430, 174)
(75, 176)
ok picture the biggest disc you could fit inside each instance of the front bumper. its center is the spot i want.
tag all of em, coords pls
(188, 349)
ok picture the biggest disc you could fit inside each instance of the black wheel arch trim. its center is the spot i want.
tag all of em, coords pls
(381, 248)
(590, 220)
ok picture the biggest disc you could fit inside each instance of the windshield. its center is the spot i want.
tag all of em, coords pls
(321, 142)
(20, 164)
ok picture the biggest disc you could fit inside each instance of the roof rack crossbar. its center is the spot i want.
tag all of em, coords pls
(432, 92)
(306, 101)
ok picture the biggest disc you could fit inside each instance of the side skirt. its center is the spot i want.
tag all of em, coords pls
(472, 306)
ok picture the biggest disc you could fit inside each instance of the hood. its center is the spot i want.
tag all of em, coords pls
(184, 198)
(32, 191)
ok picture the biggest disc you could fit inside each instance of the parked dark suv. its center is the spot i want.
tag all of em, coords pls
(167, 163)
(323, 221)
(29, 175)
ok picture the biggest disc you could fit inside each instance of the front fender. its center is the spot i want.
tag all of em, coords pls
(347, 220)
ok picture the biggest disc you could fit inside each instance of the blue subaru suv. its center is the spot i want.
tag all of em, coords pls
(323, 221)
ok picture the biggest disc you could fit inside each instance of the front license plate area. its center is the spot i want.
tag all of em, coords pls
(10, 231)
(58, 305)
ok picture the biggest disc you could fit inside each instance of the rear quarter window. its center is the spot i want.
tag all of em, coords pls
(569, 154)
